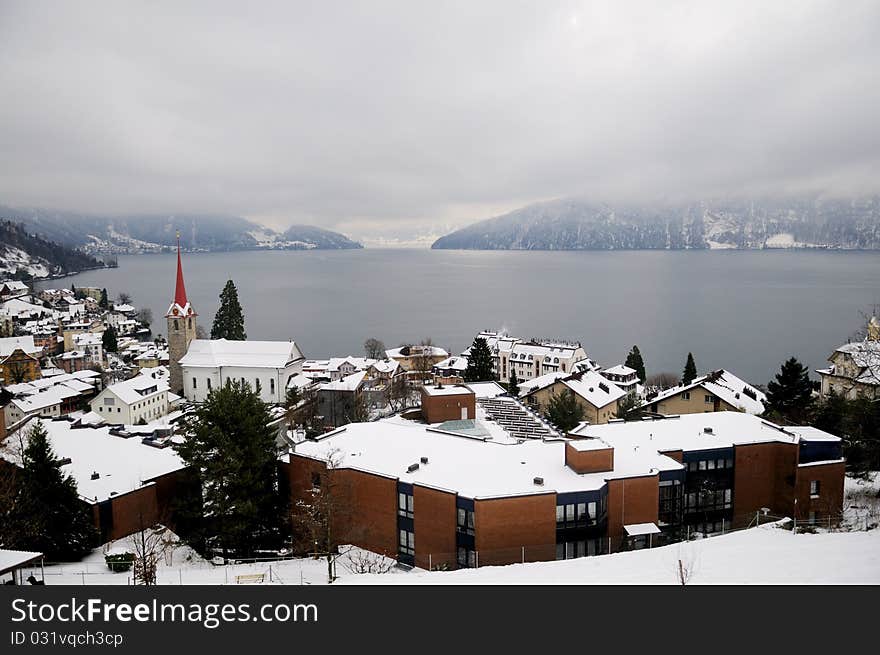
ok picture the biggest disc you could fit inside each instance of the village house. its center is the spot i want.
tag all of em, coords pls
(597, 396)
(530, 359)
(19, 360)
(141, 399)
(433, 498)
(92, 344)
(51, 396)
(718, 391)
(13, 289)
(417, 358)
(624, 377)
(343, 401)
(855, 367)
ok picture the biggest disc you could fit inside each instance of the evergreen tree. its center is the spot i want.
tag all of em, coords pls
(479, 367)
(690, 370)
(634, 361)
(232, 451)
(564, 411)
(513, 385)
(104, 303)
(791, 394)
(46, 514)
(108, 340)
(628, 408)
(229, 320)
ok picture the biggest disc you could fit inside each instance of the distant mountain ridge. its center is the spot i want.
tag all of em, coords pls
(132, 234)
(24, 256)
(574, 224)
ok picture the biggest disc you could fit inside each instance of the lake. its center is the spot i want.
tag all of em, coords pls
(743, 310)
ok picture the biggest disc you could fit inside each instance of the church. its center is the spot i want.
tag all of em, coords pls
(199, 365)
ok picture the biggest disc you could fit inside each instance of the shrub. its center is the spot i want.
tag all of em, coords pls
(119, 561)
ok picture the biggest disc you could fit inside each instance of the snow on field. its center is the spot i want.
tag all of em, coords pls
(763, 555)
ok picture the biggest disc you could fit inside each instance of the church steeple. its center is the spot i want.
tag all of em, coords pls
(181, 318)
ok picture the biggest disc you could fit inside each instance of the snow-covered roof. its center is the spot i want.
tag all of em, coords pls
(447, 390)
(123, 308)
(87, 339)
(299, 381)
(13, 559)
(595, 389)
(36, 402)
(348, 383)
(416, 351)
(10, 344)
(469, 466)
(639, 529)
(726, 386)
(486, 389)
(620, 369)
(385, 365)
(123, 464)
(254, 354)
(456, 363)
(809, 433)
(136, 389)
(688, 432)
(540, 382)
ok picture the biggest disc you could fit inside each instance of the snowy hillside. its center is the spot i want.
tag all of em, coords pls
(23, 255)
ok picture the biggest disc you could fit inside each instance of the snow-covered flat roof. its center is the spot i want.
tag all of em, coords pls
(257, 354)
(638, 529)
(809, 433)
(471, 467)
(688, 432)
(13, 559)
(123, 465)
(486, 389)
(447, 390)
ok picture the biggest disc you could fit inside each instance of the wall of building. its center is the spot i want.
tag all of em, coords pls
(765, 475)
(434, 520)
(630, 501)
(829, 500)
(589, 461)
(504, 526)
(19, 363)
(448, 407)
(540, 400)
(273, 381)
(696, 404)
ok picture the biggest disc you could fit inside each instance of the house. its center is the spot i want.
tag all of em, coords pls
(624, 377)
(597, 396)
(13, 289)
(718, 391)
(127, 479)
(142, 399)
(49, 397)
(342, 401)
(74, 360)
(530, 359)
(855, 367)
(432, 498)
(92, 344)
(19, 360)
(450, 370)
(266, 366)
(417, 358)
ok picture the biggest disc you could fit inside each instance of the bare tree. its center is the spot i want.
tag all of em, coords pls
(201, 333)
(663, 380)
(150, 545)
(359, 561)
(374, 348)
(145, 316)
(424, 358)
(124, 298)
(685, 564)
(399, 392)
(322, 518)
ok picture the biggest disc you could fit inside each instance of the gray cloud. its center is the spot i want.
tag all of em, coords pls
(393, 115)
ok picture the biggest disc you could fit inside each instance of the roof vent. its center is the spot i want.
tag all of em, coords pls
(424, 460)
(707, 430)
(539, 481)
(95, 475)
(65, 461)
(412, 467)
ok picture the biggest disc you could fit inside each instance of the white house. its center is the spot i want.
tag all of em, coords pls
(264, 365)
(92, 344)
(142, 398)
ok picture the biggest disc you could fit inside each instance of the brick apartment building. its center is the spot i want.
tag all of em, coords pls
(436, 499)
(447, 403)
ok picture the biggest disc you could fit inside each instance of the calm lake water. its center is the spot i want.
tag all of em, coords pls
(743, 310)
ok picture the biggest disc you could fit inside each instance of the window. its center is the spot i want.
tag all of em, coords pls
(721, 463)
(272, 386)
(710, 399)
(685, 395)
(710, 464)
(465, 522)
(407, 543)
(208, 380)
(467, 558)
(702, 465)
(194, 383)
(729, 463)
(405, 505)
(814, 488)
(109, 401)
(316, 480)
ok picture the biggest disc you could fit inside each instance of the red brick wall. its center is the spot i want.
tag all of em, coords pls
(830, 500)
(589, 461)
(435, 522)
(505, 525)
(631, 500)
(677, 455)
(369, 518)
(764, 476)
(134, 511)
(436, 409)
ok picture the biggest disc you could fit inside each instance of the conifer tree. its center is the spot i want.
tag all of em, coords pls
(108, 340)
(791, 394)
(229, 320)
(104, 303)
(690, 370)
(232, 452)
(46, 514)
(479, 367)
(513, 385)
(564, 411)
(634, 361)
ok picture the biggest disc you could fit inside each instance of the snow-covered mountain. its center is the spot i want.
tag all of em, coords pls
(155, 233)
(24, 255)
(574, 224)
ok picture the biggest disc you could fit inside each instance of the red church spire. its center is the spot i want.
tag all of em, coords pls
(180, 290)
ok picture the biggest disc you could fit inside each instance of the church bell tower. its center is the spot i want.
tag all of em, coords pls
(181, 319)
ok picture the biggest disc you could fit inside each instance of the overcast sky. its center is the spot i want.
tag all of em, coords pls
(399, 116)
